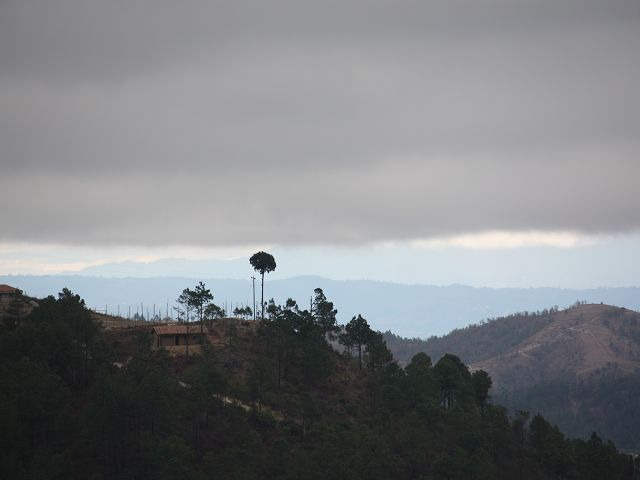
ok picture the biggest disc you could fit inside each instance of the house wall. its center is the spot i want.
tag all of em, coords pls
(168, 342)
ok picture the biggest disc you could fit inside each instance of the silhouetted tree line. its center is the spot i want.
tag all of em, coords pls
(605, 401)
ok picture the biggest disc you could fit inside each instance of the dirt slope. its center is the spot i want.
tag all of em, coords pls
(578, 341)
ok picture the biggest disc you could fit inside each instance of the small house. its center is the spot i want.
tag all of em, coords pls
(8, 293)
(175, 338)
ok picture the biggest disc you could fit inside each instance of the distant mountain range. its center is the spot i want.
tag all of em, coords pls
(410, 310)
(579, 367)
(173, 267)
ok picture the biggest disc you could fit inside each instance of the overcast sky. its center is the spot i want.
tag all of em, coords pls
(157, 124)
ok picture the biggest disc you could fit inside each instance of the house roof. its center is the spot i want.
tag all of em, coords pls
(7, 289)
(181, 329)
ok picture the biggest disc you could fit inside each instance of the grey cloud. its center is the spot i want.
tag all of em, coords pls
(72, 39)
(347, 205)
(214, 123)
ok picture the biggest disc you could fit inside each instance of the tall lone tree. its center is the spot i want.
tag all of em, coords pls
(262, 262)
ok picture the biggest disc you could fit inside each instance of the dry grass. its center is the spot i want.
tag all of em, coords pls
(578, 341)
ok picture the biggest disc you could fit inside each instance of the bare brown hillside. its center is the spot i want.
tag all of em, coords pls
(577, 341)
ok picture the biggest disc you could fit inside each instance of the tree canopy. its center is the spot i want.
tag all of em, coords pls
(262, 262)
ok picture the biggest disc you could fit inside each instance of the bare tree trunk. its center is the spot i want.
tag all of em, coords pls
(279, 370)
(262, 296)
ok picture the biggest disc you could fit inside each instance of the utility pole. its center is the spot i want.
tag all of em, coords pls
(253, 278)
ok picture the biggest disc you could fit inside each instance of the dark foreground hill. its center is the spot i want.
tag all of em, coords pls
(580, 367)
(263, 400)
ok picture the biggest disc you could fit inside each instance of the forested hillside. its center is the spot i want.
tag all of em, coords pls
(580, 366)
(267, 399)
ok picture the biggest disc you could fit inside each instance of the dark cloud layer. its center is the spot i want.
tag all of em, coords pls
(156, 122)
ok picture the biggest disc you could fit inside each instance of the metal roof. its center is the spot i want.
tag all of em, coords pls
(7, 289)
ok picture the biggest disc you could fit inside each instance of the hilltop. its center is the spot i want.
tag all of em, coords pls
(580, 367)
(579, 342)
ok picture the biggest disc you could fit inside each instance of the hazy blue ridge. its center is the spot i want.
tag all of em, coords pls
(408, 310)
